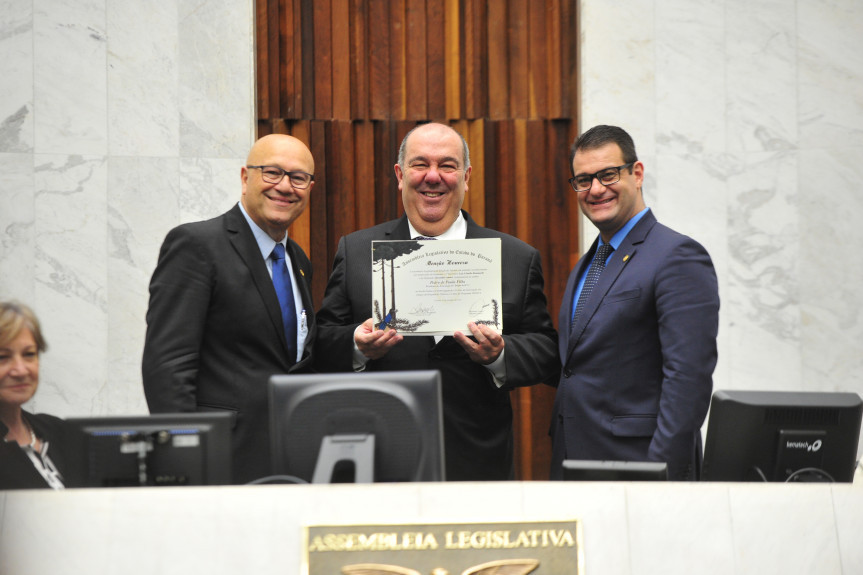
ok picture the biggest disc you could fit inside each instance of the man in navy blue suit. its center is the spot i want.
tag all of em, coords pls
(638, 356)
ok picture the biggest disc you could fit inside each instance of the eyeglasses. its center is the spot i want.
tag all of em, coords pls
(606, 177)
(275, 174)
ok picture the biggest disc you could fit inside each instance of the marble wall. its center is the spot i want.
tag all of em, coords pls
(120, 119)
(749, 118)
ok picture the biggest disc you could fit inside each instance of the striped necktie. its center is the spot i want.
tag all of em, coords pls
(596, 267)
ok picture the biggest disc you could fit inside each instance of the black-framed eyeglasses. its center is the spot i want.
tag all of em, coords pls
(275, 174)
(606, 177)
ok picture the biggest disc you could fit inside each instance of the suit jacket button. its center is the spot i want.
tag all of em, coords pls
(567, 373)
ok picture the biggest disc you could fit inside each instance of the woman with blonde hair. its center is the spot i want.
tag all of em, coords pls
(25, 459)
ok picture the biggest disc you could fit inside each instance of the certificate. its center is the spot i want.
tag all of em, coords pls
(435, 287)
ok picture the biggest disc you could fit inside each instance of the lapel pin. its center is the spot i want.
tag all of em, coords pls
(626, 258)
(302, 273)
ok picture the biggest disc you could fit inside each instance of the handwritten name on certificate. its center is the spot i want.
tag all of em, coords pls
(435, 287)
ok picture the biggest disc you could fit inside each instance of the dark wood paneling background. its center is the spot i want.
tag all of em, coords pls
(351, 77)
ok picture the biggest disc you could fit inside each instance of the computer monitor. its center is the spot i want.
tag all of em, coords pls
(154, 450)
(782, 436)
(357, 427)
(586, 470)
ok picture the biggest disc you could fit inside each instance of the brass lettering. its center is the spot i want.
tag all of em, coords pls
(417, 540)
(373, 542)
(508, 540)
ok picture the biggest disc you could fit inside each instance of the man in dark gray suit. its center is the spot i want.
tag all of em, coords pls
(478, 368)
(216, 327)
(638, 353)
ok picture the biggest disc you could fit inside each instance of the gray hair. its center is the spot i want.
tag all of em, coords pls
(403, 146)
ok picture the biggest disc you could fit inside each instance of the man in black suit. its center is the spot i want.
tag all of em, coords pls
(638, 353)
(218, 326)
(479, 368)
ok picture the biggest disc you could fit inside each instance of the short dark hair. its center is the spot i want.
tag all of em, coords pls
(598, 136)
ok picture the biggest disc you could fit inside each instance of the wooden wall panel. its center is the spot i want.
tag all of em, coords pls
(268, 83)
(378, 35)
(417, 59)
(322, 53)
(505, 170)
(341, 195)
(341, 59)
(364, 175)
(474, 133)
(453, 58)
(517, 58)
(351, 77)
(387, 198)
(398, 57)
(436, 86)
(537, 73)
(319, 242)
(497, 52)
(293, 50)
(475, 38)
(360, 60)
(523, 200)
(307, 85)
(567, 47)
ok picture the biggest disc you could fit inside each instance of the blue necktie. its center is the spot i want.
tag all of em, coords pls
(596, 267)
(285, 293)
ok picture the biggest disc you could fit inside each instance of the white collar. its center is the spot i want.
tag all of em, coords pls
(457, 231)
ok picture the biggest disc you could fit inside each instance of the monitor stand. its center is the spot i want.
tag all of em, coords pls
(346, 459)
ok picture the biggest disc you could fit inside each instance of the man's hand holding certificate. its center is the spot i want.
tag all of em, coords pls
(437, 287)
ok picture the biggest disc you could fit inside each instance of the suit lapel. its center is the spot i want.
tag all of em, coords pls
(300, 273)
(622, 256)
(473, 229)
(244, 243)
(564, 318)
(400, 230)
(303, 280)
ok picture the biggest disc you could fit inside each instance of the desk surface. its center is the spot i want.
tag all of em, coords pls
(628, 528)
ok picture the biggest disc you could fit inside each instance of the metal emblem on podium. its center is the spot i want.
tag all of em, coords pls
(540, 548)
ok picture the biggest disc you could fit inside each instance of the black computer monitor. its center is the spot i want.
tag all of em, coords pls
(587, 470)
(154, 450)
(357, 427)
(782, 436)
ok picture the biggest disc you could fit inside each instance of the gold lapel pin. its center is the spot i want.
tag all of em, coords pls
(626, 258)
(302, 273)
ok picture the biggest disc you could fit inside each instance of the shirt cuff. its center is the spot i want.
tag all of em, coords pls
(360, 360)
(497, 369)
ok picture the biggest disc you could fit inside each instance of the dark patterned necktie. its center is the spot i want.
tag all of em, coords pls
(596, 267)
(285, 293)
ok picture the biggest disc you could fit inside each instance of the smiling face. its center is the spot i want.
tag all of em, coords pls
(19, 370)
(274, 207)
(609, 207)
(433, 179)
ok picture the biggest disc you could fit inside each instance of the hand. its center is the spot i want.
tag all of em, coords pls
(375, 343)
(487, 347)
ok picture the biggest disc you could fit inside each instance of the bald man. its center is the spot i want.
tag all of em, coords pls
(216, 327)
